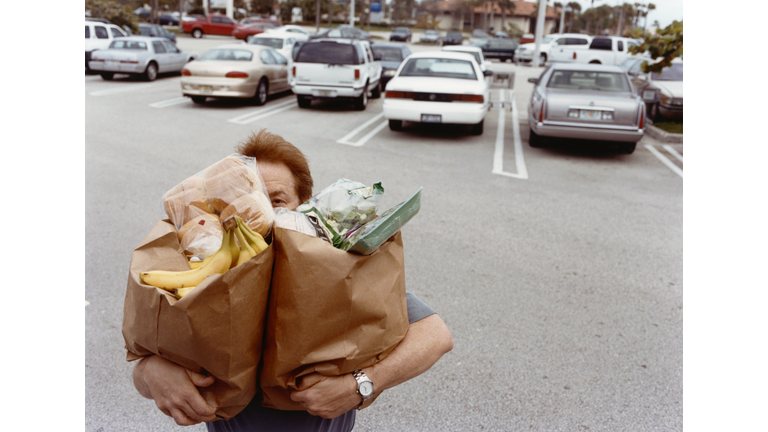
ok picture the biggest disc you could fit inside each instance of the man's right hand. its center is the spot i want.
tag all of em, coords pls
(174, 389)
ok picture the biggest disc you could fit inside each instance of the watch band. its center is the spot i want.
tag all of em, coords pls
(362, 379)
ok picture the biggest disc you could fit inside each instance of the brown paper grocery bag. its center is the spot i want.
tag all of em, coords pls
(330, 311)
(216, 329)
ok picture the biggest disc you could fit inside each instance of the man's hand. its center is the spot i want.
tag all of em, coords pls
(327, 397)
(174, 389)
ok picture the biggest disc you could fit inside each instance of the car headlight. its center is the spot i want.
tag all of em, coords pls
(677, 101)
(665, 99)
(389, 73)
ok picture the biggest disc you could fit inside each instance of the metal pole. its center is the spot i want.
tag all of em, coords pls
(539, 31)
(352, 13)
(562, 19)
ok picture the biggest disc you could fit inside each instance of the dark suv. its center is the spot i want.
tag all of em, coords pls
(502, 49)
(400, 34)
(453, 38)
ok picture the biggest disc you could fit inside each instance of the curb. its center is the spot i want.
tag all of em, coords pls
(663, 136)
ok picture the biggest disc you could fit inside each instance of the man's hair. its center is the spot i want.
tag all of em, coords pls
(268, 147)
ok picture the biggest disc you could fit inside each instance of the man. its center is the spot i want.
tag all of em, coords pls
(330, 401)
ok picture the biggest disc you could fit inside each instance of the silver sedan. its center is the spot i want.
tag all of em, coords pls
(585, 101)
(139, 55)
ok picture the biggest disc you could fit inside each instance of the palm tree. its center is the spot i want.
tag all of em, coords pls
(651, 7)
(505, 4)
(575, 9)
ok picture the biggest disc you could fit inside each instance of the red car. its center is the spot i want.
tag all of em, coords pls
(246, 32)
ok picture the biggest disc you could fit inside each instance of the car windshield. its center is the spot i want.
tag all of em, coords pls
(581, 80)
(400, 30)
(474, 54)
(227, 54)
(128, 45)
(276, 43)
(547, 39)
(388, 53)
(671, 73)
(431, 32)
(440, 68)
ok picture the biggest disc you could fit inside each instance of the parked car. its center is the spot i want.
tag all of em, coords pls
(255, 20)
(527, 38)
(155, 30)
(610, 50)
(400, 34)
(453, 38)
(140, 55)
(392, 54)
(587, 102)
(168, 19)
(246, 32)
(280, 42)
(299, 33)
(430, 36)
(342, 31)
(99, 35)
(661, 91)
(501, 35)
(336, 68)
(245, 71)
(438, 87)
(101, 20)
(478, 34)
(474, 51)
(502, 49)
(213, 24)
(524, 52)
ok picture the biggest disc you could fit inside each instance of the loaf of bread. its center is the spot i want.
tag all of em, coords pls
(229, 179)
(186, 201)
(201, 235)
(255, 209)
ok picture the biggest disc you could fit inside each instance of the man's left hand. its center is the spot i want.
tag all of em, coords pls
(327, 396)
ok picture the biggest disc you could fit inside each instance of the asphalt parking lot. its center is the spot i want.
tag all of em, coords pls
(558, 270)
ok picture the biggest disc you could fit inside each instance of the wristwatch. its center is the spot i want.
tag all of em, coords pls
(364, 385)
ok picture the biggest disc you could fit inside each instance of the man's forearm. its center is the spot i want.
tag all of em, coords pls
(423, 345)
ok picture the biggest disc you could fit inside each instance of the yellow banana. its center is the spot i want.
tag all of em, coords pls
(246, 251)
(234, 251)
(196, 264)
(255, 239)
(218, 263)
(181, 292)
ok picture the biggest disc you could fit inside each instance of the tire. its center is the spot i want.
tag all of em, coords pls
(395, 125)
(197, 33)
(542, 60)
(477, 129)
(304, 101)
(594, 62)
(534, 140)
(262, 91)
(199, 99)
(248, 38)
(376, 93)
(150, 74)
(107, 76)
(653, 115)
(362, 101)
(627, 148)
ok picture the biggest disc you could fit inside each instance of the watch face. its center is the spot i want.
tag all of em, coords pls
(366, 388)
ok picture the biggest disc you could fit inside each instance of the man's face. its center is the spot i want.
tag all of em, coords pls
(280, 184)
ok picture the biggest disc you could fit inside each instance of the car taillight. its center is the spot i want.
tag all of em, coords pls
(642, 118)
(236, 75)
(294, 71)
(574, 55)
(541, 112)
(186, 72)
(357, 74)
(396, 94)
(468, 98)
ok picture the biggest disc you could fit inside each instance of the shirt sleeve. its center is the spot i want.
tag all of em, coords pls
(417, 309)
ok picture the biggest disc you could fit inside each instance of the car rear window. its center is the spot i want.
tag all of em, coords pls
(601, 44)
(128, 45)
(328, 53)
(276, 43)
(439, 68)
(580, 80)
(388, 53)
(671, 73)
(227, 55)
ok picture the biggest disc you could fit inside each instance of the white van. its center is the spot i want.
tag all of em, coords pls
(99, 35)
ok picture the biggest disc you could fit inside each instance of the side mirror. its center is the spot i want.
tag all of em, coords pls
(487, 73)
(533, 80)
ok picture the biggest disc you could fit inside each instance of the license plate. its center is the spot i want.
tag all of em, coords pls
(590, 115)
(431, 118)
(649, 95)
(325, 92)
(206, 89)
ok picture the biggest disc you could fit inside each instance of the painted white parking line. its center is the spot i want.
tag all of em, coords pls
(87, 303)
(498, 155)
(664, 160)
(672, 151)
(264, 112)
(169, 102)
(346, 138)
(123, 89)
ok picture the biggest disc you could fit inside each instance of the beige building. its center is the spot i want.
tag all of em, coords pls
(455, 15)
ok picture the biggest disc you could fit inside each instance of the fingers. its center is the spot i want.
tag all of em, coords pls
(200, 380)
(308, 381)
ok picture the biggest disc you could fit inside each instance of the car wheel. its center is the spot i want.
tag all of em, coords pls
(534, 140)
(376, 93)
(151, 72)
(627, 148)
(197, 33)
(248, 38)
(542, 59)
(107, 75)
(594, 62)
(395, 125)
(477, 129)
(304, 101)
(654, 114)
(362, 101)
(199, 99)
(261, 92)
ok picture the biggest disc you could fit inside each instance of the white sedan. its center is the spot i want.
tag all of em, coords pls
(299, 33)
(139, 55)
(280, 42)
(438, 87)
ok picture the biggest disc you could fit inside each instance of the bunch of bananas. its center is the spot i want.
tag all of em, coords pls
(228, 256)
